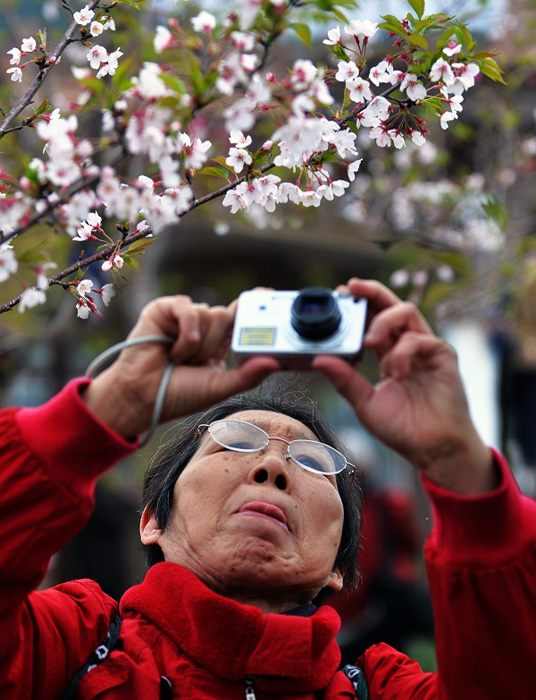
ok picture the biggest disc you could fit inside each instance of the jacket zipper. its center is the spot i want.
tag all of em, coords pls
(250, 693)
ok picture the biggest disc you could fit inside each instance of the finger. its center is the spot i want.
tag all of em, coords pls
(389, 325)
(415, 350)
(209, 384)
(248, 375)
(378, 295)
(347, 381)
(162, 316)
(216, 331)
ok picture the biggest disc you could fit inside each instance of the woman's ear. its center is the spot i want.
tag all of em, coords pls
(335, 580)
(150, 531)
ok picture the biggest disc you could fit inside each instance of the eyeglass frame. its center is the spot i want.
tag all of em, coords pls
(347, 465)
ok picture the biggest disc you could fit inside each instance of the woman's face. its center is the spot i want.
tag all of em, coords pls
(254, 525)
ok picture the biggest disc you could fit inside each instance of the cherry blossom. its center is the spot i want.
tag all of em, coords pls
(452, 48)
(334, 37)
(360, 91)
(442, 71)
(107, 292)
(203, 22)
(28, 45)
(84, 287)
(352, 168)
(96, 56)
(381, 134)
(364, 28)
(414, 89)
(237, 158)
(237, 138)
(242, 41)
(16, 74)
(464, 76)
(84, 16)
(446, 117)
(8, 262)
(110, 64)
(381, 73)
(303, 73)
(31, 297)
(15, 56)
(194, 151)
(116, 261)
(96, 29)
(346, 71)
(163, 39)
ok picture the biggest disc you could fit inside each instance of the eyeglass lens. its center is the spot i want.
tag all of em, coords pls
(246, 437)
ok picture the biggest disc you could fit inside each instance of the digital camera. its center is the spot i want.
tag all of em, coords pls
(294, 326)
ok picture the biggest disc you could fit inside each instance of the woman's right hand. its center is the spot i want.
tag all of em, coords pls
(123, 396)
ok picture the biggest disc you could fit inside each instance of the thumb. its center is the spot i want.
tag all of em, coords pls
(248, 375)
(346, 379)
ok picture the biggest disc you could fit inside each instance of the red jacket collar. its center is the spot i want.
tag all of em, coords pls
(233, 640)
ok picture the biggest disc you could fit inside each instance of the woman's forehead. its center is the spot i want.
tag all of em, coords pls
(275, 424)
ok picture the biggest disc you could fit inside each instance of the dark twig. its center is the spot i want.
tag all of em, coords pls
(30, 93)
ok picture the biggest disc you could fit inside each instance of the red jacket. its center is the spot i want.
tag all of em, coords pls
(481, 559)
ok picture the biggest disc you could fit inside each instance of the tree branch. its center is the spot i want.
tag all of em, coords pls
(30, 93)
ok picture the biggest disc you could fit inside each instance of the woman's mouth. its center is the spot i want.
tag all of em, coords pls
(265, 510)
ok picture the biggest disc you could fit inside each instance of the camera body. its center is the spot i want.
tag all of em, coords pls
(294, 326)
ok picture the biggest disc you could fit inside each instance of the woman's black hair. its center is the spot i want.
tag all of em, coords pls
(171, 459)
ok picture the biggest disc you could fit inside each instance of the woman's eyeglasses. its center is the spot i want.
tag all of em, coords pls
(240, 436)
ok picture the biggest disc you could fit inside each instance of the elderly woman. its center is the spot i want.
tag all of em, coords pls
(250, 520)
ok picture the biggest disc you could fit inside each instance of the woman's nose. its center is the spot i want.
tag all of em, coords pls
(271, 467)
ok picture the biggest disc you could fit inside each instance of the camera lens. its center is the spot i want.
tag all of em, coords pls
(315, 313)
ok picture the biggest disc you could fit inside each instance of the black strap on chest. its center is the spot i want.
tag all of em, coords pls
(100, 654)
(96, 658)
(358, 680)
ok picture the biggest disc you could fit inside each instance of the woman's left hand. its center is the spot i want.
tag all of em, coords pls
(419, 407)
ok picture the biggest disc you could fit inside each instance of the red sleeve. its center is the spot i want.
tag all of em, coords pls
(50, 458)
(481, 560)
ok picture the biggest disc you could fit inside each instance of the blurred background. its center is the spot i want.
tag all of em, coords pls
(450, 226)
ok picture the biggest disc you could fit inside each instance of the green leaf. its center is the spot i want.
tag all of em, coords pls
(418, 7)
(216, 171)
(340, 15)
(339, 52)
(220, 160)
(136, 4)
(417, 40)
(32, 257)
(303, 32)
(490, 68)
(496, 211)
(131, 262)
(96, 85)
(433, 105)
(432, 22)
(173, 82)
(43, 107)
(392, 24)
(122, 78)
(41, 37)
(138, 247)
(445, 38)
(196, 75)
